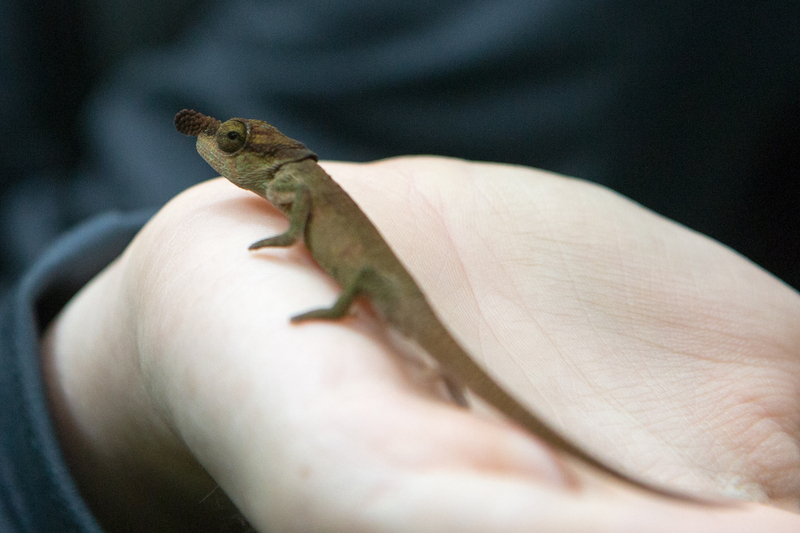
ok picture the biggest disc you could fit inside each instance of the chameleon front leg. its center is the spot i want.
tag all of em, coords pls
(365, 279)
(298, 215)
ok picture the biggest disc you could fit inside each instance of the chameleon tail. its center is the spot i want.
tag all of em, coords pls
(455, 362)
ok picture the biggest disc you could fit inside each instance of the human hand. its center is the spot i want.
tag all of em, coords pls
(653, 346)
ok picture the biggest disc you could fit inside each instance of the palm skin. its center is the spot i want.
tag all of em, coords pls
(654, 346)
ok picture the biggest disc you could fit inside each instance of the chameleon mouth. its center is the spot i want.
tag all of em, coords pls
(205, 147)
(193, 123)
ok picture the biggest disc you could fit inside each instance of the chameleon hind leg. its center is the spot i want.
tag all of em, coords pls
(364, 280)
(455, 390)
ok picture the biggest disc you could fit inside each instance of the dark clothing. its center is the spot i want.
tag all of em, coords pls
(36, 490)
(690, 108)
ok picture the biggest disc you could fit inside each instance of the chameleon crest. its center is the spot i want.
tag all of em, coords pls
(245, 151)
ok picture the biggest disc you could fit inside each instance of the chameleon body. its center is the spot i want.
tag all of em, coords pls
(256, 156)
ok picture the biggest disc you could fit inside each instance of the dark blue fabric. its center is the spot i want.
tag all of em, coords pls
(687, 107)
(36, 490)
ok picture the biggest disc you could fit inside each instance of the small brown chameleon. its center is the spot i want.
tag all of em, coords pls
(257, 157)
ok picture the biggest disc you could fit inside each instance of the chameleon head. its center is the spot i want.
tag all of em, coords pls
(247, 152)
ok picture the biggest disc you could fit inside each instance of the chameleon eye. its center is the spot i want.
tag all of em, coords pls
(231, 136)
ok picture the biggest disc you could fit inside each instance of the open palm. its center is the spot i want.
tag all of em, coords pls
(661, 351)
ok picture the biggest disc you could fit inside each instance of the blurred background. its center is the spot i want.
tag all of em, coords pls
(690, 108)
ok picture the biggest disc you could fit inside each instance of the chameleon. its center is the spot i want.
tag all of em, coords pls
(257, 157)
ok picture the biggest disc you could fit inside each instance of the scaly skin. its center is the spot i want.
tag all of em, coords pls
(256, 156)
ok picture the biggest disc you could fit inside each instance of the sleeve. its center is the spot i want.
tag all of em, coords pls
(37, 492)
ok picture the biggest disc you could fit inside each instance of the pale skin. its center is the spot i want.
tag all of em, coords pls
(652, 344)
